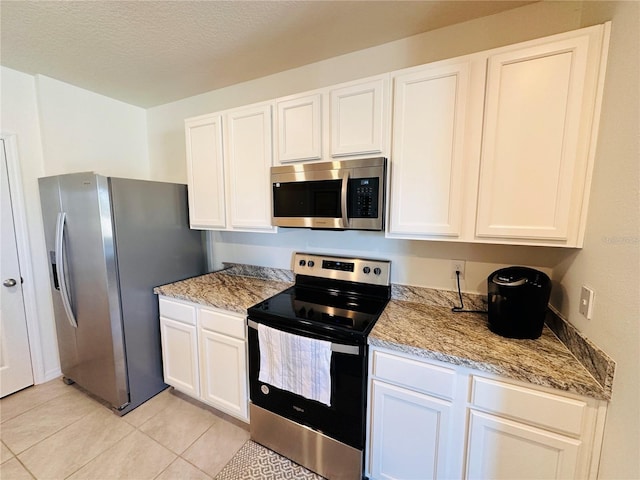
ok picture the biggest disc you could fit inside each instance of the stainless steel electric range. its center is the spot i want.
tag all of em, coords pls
(308, 362)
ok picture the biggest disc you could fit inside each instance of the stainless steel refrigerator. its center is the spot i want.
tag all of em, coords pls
(110, 241)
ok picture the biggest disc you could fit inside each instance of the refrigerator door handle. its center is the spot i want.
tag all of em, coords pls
(62, 281)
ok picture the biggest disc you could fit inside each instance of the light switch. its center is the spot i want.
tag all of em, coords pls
(586, 302)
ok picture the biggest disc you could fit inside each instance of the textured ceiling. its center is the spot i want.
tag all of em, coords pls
(148, 53)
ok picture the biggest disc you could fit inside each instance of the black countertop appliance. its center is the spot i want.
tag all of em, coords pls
(518, 299)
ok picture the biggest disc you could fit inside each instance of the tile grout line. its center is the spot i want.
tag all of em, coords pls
(3, 420)
(178, 455)
(48, 436)
(97, 455)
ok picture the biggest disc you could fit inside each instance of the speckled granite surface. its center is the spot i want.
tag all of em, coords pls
(441, 298)
(598, 363)
(434, 332)
(224, 289)
(419, 321)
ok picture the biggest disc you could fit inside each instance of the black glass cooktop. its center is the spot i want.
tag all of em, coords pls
(324, 311)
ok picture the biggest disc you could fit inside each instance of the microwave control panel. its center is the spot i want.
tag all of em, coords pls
(363, 197)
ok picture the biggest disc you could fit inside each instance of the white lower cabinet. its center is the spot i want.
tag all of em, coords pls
(501, 448)
(180, 356)
(413, 432)
(409, 433)
(204, 354)
(429, 420)
(223, 368)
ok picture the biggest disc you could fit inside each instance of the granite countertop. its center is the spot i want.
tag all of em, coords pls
(435, 332)
(224, 290)
(420, 322)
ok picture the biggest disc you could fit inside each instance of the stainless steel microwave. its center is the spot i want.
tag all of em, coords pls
(340, 195)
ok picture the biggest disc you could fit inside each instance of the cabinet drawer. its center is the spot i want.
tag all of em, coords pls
(532, 406)
(177, 311)
(414, 374)
(231, 325)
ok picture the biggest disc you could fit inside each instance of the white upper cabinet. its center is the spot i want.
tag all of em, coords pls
(538, 128)
(493, 147)
(357, 119)
(205, 171)
(248, 140)
(428, 150)
(229, 155)
(498, 146)
(300, 128)
(342, 121)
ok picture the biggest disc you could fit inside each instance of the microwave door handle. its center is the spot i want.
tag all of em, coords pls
(345, 184)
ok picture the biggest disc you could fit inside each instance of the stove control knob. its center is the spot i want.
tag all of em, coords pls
(311, 263)
(302, 263)
(377, 271)
(366, 270)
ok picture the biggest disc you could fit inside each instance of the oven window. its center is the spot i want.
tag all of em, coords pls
(307, 199)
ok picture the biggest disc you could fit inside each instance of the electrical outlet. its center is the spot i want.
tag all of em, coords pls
(586, 302)
(457, 266)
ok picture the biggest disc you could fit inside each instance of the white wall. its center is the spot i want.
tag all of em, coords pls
(609, 260)
(83, 131)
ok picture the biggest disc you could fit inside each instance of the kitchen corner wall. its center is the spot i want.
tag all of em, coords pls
(609, 260)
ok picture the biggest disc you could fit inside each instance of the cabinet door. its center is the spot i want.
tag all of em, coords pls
(249, 156)
(531, 178)
(180, 356)
(300, 128)
(205, 172)
(503, 449)
(409, 433)
(224, 373)
(428, 151)
(357, 119)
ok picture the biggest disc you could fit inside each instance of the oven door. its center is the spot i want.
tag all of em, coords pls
(344, 419)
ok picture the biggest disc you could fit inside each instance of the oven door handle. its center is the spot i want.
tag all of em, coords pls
(335, 347)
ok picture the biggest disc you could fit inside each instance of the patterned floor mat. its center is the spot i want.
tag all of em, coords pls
(255, 462)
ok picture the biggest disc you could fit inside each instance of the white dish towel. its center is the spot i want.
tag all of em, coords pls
(296, 364)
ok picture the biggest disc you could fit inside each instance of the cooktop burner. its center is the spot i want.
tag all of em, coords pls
(333, 296)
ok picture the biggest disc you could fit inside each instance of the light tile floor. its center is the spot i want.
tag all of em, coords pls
(55, 431)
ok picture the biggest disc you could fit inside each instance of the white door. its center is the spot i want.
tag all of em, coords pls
(428, 157)
(180, 356)
(503, 449)
(300, 129)
(249, 157)
(531, 176)
(409, 434)
(205, 172)
(15, 357)
(357, 119)
(223, 369)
